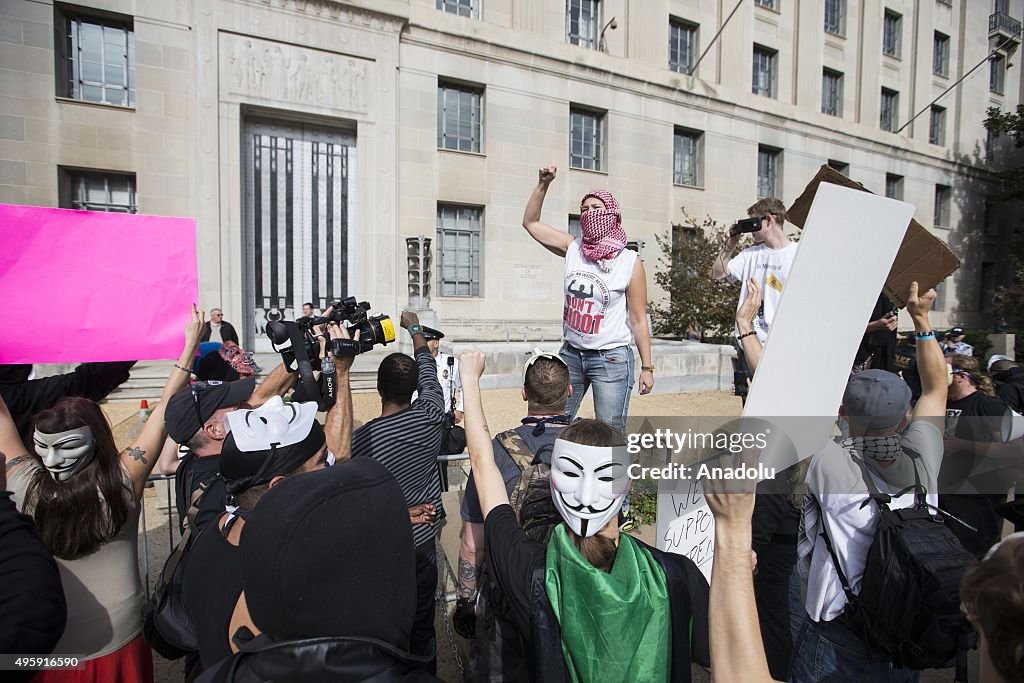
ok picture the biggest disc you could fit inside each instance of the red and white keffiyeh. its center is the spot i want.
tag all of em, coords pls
(603, 236)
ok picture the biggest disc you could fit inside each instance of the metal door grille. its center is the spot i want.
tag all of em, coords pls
(297, 196)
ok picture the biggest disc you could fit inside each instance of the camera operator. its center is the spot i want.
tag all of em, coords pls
(406, 439)
(768, 262)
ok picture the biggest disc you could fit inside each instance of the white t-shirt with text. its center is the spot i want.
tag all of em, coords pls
(770, 269)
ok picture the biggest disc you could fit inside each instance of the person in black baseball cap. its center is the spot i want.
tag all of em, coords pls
(323, 599)
(195, 419)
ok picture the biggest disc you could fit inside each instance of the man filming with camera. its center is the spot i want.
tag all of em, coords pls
(767, 263)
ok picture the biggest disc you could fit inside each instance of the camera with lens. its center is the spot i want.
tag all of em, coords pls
(747, 225)
(299, 346)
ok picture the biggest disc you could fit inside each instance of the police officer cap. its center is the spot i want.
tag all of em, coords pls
(430, 334)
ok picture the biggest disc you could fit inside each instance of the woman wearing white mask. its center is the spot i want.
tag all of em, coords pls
(605, 308)
(85, 500)
(589, 585)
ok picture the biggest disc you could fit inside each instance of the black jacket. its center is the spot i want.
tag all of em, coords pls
(501, 652)
(319, 659)
(89, 380)
(32, 608)
(227, 332)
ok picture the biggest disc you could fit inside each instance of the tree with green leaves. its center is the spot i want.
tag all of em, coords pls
(686, 256)
(1000, 123)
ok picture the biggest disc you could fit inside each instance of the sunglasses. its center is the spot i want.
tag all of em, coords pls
(537, 356)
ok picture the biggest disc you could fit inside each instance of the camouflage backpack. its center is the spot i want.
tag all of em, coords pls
(531, 498)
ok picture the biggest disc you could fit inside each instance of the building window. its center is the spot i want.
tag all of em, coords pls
(894, 186)
(835, 17)
(831, 93)
(892, 25)
(1001, 7)
(464, 8)
(582, 22)
(942, 195)
(769, 4)
(97, 191)
(682, 46)
(997, 74)
(98, 59)
(764, 71)
(890, 110)
(940, 54)
(574, 225)
(686, 158)
(840, 166)
(459, 117)
(937, 127)
(458, 263)
(768, 172)
(990, 145)
(586, 139)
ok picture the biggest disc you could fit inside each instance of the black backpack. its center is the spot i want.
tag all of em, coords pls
(167, 625)
(909, 600)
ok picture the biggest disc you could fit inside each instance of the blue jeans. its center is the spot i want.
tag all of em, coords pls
(831, 652)
(610, 373)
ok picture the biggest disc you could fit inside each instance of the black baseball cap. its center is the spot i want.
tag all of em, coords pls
(346, 526)
(955, 332)
(189, 409)
(242, 470)
(430, 334)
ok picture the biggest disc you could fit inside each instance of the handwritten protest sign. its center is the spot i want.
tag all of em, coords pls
(83, 286)
(685, 524)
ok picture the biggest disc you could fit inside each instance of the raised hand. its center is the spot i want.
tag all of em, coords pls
(546, 174)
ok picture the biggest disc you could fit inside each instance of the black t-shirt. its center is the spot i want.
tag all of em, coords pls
(978, 417)
(512, 558)
(211, 585)
(193, 471)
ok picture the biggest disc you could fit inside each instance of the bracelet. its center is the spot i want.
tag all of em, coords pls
(925, 335)
(183, 369)
(649, 368)
(415, 329)
(746, 334)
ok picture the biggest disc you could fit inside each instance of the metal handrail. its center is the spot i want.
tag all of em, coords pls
(1004, 23)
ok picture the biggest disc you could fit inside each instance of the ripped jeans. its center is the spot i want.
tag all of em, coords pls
(609, 373)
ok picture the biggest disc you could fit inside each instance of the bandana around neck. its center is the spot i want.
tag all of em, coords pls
(602, 234)
(628, 607)
(878, 448)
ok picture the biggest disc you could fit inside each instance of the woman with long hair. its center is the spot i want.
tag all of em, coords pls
(85, 499)
(588, 586)
(605, 310)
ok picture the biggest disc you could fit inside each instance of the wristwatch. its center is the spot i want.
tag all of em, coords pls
(649, 368)
(415, 329)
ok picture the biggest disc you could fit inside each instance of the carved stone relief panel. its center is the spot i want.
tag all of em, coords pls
(252, 67)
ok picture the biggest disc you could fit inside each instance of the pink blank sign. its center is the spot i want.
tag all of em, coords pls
(79, 286)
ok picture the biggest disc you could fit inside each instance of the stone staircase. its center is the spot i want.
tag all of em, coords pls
(148, 377)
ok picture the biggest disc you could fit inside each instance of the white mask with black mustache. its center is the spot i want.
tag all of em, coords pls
(588, 484)
(64, 454)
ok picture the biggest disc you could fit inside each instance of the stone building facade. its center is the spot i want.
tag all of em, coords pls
(310, 138)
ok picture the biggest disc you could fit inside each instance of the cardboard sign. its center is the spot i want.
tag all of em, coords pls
(922, 257)
(82, 286)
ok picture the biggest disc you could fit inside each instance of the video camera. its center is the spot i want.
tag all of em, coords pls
(747, 225)
(299, 345)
